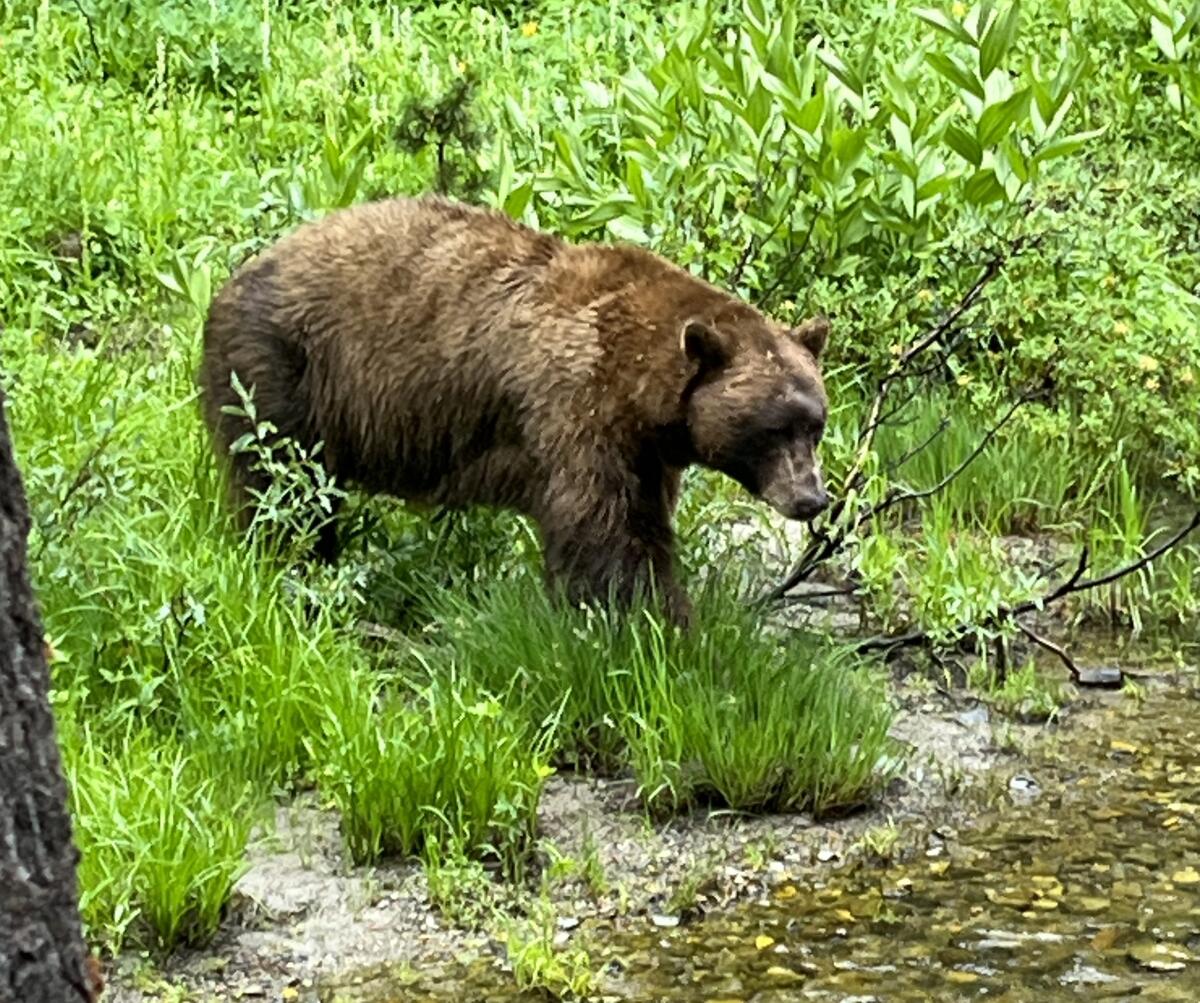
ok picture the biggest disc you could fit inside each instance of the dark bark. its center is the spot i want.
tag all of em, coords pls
(42, 954)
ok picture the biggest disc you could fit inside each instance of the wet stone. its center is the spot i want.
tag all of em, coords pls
(1107, 677)
(1160, 957)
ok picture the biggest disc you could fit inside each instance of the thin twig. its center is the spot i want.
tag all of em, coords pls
(793, 258)
(1009, 614)
(908, 454)
(1076, 583)
(1045, 642)
(906, 496)
(755, 245)
(87, 19)
(938, 331)
(824, 546)
(830, 593)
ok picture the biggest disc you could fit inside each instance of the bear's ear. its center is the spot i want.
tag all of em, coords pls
(702, 345)
(812, 334)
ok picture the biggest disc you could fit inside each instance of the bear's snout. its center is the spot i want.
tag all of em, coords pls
(810, 505)
(794, 486)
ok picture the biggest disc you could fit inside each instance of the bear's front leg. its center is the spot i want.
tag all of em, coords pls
(590, 562)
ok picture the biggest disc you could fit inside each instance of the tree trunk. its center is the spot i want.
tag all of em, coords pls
(42, 954)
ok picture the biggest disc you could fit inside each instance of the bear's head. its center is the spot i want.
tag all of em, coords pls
(756, 406)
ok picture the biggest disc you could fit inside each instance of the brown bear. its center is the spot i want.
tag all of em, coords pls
(447, 355)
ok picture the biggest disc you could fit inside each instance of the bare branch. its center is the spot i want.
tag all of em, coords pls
(824, 543)
(905, 496)
(1004, 615)
(908, 454)
(1076, 583)
(755, 244)
(1044, 642)
(91, 30)
(939, 330)
(793, 258)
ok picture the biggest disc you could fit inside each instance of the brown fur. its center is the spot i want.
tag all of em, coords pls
(450, 356)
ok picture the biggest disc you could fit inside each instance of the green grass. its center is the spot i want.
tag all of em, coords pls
(199, 676)
(161, 834)
(1028, 479)
(730, 714)
(449, 767)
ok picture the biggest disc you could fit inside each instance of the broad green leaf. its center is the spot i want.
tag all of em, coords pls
(902, 164)
(1175, 97)
(1056, 123)
(170, 282)
(935, 187)
(998, 39)
(504, 183)
(809, 118)
(983, 188)
(756, 12)
(757, 111)
(1067, 145)
(900, 92)
(1043, 102)
(516, 115)
(718, 198)
(571, 154)
(350, 185)
(958, 75)
(517, 201)
(597, 94)
(781, 60)
(849, 78)
(604, 212)
(634, 180)
(1164, 38)
(902, 136)
(848, 146)
(715, 58)
(977, 17)
(945, 24)
(908, 195)
(1010, 155)
(625, 228)
(964, 144)
(997, 120)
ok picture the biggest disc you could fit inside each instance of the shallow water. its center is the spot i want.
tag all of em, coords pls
(1082, 880)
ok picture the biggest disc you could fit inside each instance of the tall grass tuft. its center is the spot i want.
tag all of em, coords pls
(447, 766)
(728, 713)
(161, 834)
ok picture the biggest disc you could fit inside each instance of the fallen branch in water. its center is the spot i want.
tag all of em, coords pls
(890, 645)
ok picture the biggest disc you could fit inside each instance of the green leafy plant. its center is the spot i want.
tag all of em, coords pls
(451, 766)
(1175, 31)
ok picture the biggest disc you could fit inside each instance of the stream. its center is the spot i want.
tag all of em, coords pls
(1079, 878)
